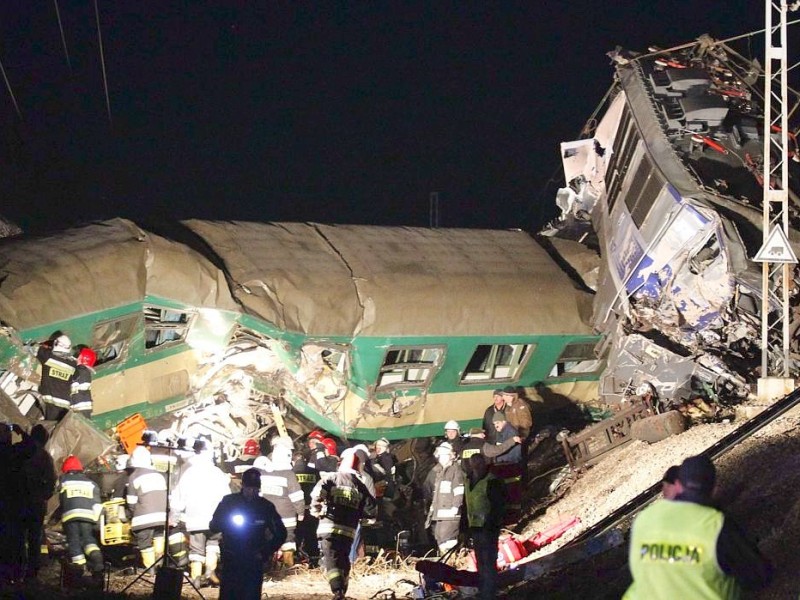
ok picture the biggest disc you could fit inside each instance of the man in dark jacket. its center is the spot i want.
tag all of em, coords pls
(39, 480)
(485, 499)
(687, 548)
(252, 531)
(498, 405)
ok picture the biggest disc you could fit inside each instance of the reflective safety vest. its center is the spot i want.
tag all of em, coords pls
(673, 554)
(478, 505)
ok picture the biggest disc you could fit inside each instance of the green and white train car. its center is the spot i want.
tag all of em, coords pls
(364, 331)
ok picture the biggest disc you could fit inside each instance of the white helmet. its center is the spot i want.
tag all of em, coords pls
(121, 462)
(443, 448)
(281, 457)
(263, 463)
(62, 344)
(140, 458)
(452, 425)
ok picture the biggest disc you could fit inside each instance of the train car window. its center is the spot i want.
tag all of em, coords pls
(164, 326)
(324, 368)
(498, 362)
(577, 358)
(110, 338)
(410, 366)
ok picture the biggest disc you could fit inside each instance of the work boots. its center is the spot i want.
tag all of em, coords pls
(288, 558)
(195, 570)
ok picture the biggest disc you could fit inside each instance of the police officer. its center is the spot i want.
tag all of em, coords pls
(687, 548)
(447, 497)
(79, 498)
(340, 500)
(252, 531)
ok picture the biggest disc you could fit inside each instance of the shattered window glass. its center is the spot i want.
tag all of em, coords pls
(164, 325)
(410, 366)
(499, 362)
(110, 338)
(577, 358)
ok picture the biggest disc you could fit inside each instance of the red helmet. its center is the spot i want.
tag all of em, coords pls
(316, 435)
(330, 446)
(251, 448)
(87, 357)
(71, 463)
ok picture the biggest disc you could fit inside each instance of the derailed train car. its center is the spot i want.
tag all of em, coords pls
(210, 327)
(668, 185)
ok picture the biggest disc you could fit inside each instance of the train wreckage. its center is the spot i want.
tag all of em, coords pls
(649, 288)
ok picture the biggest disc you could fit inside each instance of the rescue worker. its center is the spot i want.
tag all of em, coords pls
(81, 384)
(250, 451)
(498, 405)
(340, 500)
(306, 532)
(364, 473)
(147, 499)
(686, 548)
(280, 486)
(508, 465)
(200, 489)
(475, 441)
(79, 499)
(485, 500)
(518, 413)
(384, 467)
(252, 531)
(39, 484)
(452, 435)
(447, 487)
(58, 370)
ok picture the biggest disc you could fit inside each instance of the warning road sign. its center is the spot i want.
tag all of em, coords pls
(776, 249)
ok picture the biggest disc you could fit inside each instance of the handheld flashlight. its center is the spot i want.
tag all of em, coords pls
(238, 520)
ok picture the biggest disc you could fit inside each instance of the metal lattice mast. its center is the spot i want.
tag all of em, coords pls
(776, 280)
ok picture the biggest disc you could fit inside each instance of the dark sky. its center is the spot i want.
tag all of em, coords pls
(330, 112)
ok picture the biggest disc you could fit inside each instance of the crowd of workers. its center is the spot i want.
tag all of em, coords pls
(224, 523)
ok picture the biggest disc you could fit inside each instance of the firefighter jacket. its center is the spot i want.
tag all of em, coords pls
(320, 461)
(307, 477)
(282, 489)
(519, 417)
(81, 390)
(147, 498)
(79, 498)
(200, 489)
(472, 446)
(58, 370)
(682, 549)
(340, 500)
(249, 528)
(448, 493)
(383, 465)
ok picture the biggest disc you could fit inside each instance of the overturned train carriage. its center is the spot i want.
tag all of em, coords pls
(669, 187)
(364, 331)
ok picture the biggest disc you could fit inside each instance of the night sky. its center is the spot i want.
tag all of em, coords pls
(346, 112)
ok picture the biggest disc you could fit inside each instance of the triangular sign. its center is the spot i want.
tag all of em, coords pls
(776, 249)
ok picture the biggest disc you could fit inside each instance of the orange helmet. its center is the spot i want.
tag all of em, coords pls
(71, 463)
(87, 357)
(251, 448)
(330, 446)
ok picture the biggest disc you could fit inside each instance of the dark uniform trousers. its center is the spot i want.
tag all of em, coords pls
(484, 541)
(336, 560)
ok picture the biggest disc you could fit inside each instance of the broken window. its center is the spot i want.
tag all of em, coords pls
(164, 326)
(324, 368)
(110, 338)
(577, 358)
(499, 362)
(410, 366)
